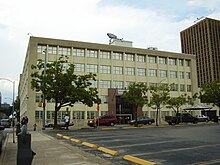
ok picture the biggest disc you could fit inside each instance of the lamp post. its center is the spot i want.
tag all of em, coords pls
(13, 107)
(44, 97)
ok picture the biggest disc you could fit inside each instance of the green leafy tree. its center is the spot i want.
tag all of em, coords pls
(176, 102)
(136, 95)
(210, 93)
(160, 96)
(62, 85)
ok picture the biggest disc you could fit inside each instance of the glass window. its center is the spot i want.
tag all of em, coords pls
(105, 69)
(162, 60)
(187, 63)
(117, 70)
(152, 73)
(129, 57)
(117, 56)
(189, 88)
(79, 52)
(90, 114)
(173, 74)
(104, 99)
(105, 55)
(163, 73)
(141, 71)
(182, 88)
(174, 87)
(181, 75)
(172, 61)
(38, 98)
(94, 84)
(129, 71)
(188, 76)
(79, 67)
(104, 84)
(127, 83)
(181, 62)
(38, 115)
(52, 50)
(141, 58)
(78, 115)
(117, 84)
(152, 59)
(92, 68)
(64, 51)
(41, 48)
(92, 53)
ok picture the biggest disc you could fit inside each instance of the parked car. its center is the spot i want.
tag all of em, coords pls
(6, 123)
(202, 118)
(142, 120)
(2, 137)
(181, 118)
(59, 124)
(108, 120)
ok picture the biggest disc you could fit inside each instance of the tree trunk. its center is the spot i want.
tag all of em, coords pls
(55, 116)
(157, 115)
(136, 122)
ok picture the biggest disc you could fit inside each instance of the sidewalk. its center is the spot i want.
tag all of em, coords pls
(49, 151)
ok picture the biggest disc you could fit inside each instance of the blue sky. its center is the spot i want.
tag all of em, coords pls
(145, 22)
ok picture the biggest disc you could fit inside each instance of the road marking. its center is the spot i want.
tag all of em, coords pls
(138, 160)
(207, 162)
(176, 150)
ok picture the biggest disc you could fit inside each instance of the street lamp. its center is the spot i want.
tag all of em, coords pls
(44, 97)
(13, 106)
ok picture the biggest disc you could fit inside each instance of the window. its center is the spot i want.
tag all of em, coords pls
(104, 84)
(92, 68)
(92, 53)
(52, 50)
(117, 56)
(64, 51)
(188, 76)
(129, 71)
(41, 48)
(79, 52)
(141, 58)
(105, 69)
(104, 99)
(181, 62)
(182, 88)
(94, 84)
(105, 55)
(117, 84)
(162, 60)
(127, 83)
(38, 114)
(65, 66)
(38, 98)
(79, 67)
(141, 71)
(174, 87)
(181, 75)
(152, 73)
(78, 115)
(173, 74)
(172, 61)
(117, 70)
(187, 62)
(163, 73)
(189, 88)
(152, 59)
(129, 57)
(90, 114)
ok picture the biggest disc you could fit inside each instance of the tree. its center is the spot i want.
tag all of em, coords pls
(62, 85)
(210, 93)
(136, 95)
(176, 102)
(160, 96)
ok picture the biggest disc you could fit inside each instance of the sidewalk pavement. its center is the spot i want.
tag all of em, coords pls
(49, 151)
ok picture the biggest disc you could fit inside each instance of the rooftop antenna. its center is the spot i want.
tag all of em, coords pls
(111, 36)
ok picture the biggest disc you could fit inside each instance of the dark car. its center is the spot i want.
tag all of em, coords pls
(143, 120)
(108, 120)
(2, 137)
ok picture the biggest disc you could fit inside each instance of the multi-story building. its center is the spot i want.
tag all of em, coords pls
(203, 40)
(115, 66)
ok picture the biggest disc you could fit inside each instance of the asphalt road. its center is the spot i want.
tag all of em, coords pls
(172, 145)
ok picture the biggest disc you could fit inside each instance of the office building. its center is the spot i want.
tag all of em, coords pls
(203, 40)
(115, 66)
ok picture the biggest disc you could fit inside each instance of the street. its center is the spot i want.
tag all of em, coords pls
(170, 145)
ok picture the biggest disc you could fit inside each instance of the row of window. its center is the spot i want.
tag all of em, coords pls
(115, 55)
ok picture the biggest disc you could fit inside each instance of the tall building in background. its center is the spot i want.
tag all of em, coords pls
(0, 99)
(203, 40)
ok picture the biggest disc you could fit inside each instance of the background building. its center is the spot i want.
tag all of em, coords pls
(115, 66)
(203, 40)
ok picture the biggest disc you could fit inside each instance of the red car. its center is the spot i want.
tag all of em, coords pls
(109, 120)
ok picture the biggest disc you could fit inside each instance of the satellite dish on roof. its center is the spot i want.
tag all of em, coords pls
(112, 36)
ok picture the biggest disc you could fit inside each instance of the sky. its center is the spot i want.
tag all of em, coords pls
(146, 23)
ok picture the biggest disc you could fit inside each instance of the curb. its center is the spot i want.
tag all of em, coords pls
(75, 140)
(108, 151)
(138, 160)
(89, 145)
